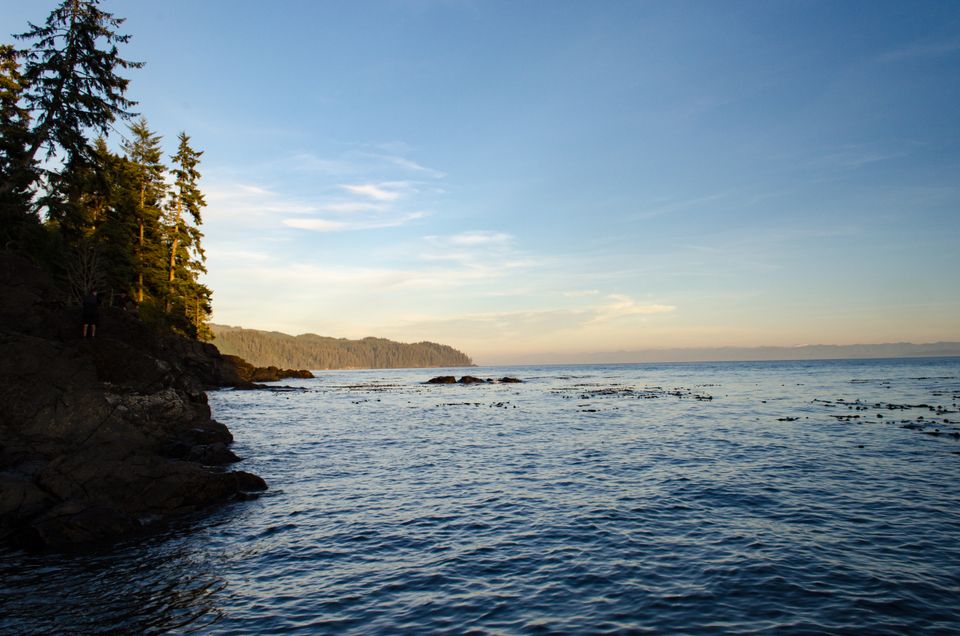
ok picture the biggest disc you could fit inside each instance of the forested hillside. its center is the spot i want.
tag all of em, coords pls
(310, 351)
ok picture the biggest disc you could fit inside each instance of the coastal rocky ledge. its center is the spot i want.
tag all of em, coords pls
(101, 437)
(247, 374)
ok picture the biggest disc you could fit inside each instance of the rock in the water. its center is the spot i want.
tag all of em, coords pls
(247, 373)
(442, 379)
(507, 380)
(469, 379)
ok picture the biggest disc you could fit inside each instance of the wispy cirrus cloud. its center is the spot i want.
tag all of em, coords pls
(377, 206)
(410, 165)
(477, 238)
(666, 207)
(623, 306)
(312, 163)
(252, 189)
(378, 193)
(922, 50)
(385, 191)
(217, 253)
(351, 207)
(328, 225)
(373, 191)
(373, 203)
(245, 204)
(355, 162)
(473, 239)
(288, 282)
(855, 156)
(473, 248)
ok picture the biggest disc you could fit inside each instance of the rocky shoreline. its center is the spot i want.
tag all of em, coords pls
(104, 437)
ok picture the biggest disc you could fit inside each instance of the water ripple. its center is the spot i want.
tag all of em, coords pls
(602, 500)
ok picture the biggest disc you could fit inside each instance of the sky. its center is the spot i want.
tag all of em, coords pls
(519, 179)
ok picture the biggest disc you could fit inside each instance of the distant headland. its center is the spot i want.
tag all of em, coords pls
(310, 351)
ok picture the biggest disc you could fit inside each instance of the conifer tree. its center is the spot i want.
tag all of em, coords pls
(186, 255)
(144, 154)
(72, 85)
(15, 168)
(77, 201)
(186, 201)
(116, 229)
(77, 196)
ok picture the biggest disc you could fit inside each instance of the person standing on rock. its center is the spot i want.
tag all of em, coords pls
(91, 313)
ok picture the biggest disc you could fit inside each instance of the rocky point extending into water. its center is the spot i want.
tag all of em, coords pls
(101, 437)
(248, 374)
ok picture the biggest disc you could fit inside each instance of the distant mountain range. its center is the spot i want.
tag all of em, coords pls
(723, 354)
(310, 351)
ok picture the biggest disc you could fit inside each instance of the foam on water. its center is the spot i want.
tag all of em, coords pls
(665, 498)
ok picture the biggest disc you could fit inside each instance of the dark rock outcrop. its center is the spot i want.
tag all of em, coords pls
(246, 372)
(469, 379)
(100, 437)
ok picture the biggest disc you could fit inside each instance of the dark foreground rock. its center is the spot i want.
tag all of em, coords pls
(101, 437)
(442, 379)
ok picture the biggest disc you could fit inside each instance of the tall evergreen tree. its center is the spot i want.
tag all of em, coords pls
(186, 255)
(77, 196)
(183, 213)
(143, 151)
(15, 168)
(77, 200)
(117, 229)
(72, 83)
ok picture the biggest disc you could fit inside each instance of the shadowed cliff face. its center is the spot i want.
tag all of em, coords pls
(101, 437)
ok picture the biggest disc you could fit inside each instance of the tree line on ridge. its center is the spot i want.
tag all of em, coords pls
(310, 351)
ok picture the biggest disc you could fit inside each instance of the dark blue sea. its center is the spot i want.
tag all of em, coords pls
(771, 497)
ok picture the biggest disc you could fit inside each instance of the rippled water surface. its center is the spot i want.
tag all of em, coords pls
(722, 497)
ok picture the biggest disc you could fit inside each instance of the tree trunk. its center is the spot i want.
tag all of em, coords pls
(176, 241)
(173, 251)
(143, 188)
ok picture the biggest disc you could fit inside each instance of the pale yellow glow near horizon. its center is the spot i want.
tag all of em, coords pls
(514, 337)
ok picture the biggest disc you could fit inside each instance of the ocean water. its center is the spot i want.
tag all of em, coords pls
(773, 497)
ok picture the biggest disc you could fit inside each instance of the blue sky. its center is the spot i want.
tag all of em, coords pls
(522, 178)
